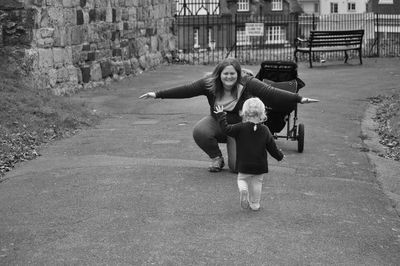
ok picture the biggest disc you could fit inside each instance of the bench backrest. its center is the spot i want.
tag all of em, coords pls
(336, 38)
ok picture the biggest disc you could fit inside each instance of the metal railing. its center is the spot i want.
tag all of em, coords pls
(207, 39)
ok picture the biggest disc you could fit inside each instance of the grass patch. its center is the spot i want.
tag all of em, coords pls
(32, 117)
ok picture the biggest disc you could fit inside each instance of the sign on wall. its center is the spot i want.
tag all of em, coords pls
(254, 29)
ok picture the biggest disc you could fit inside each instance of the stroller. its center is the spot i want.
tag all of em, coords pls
(283, 75)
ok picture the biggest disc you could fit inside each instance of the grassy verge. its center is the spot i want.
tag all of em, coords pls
(31, 117)
(388, 120)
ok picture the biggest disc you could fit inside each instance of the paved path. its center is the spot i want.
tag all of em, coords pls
(134, 190)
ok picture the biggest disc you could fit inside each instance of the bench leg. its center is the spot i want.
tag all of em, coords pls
(360, 55)
(346, 56)
(310, 57)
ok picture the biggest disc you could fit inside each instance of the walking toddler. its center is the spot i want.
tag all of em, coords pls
(253, 140)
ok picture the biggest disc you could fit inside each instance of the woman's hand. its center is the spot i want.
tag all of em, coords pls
(148, 95)
(219, 109)
(308, 100)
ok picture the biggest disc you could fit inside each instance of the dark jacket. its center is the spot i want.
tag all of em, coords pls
(277, 99)
(251, 145)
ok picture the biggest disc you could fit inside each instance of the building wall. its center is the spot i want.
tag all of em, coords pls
(342, 6)
(379, 7)
(72, 43)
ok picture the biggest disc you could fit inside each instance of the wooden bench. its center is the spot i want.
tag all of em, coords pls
(330, 41)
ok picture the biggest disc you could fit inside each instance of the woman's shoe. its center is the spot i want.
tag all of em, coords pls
(217, 164)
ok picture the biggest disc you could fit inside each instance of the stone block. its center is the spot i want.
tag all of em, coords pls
(95, 72)
(45, 42)
(124, 14)
(135, 65)
(46, 32)
(86, 47)
(118, 14)
(61, 37)
(58, 55)
(101, 14)
(73, 75)
(128, 67)
(52, 77)
(76, 54)
(125, 53)
(85, 70)
(116, 52)
(92, 15)
(56, 16)
(69, 17)
(114, 15)
(143, 62)
(118, 68)
(153, 44)
(79, 17)
(79, 35)
(106, 69)
(62, 75)
(91, 56)
(86, 19)
(68, 55)
(67, 3)
(115, 35)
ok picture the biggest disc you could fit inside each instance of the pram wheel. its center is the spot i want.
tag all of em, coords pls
(300, 138)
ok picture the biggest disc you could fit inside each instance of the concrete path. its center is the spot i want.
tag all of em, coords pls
(134, 190)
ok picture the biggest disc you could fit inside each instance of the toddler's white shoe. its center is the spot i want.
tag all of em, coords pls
(254, 206)
(244, 199)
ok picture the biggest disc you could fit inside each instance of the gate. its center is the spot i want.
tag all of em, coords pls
(207, 39)
(205, 36)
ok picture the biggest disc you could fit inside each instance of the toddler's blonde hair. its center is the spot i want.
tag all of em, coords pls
(253, 109)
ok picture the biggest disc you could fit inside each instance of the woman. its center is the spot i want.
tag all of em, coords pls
(227, 87)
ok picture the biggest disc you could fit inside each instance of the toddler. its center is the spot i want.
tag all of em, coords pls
(253, 140)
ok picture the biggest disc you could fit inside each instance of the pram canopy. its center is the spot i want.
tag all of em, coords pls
(282, 75)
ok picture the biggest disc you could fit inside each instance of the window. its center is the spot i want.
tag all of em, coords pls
(385, 1)
(351, 7)
(243, 5)
(277, 5)
(197, 7)
(210, 37)
(196, 38)
(334, 7)
(241, 37)
(275, 35)
(316, 8)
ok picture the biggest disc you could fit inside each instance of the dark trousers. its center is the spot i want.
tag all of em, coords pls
(208, 134)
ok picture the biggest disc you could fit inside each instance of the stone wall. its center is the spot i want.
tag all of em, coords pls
(71, 44)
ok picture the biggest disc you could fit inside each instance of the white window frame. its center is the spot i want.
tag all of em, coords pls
(242, 38)
(196, 38)
(334, 7)
(277, 5)
(210, 36)
(385, 2)
(351, 6)
(243, 5)
(275, 35)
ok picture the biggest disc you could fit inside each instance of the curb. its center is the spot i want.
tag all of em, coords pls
(386, 170)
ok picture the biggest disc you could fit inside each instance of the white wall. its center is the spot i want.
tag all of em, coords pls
(342, 6)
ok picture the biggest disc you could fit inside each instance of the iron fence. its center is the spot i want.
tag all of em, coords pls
(210, 37)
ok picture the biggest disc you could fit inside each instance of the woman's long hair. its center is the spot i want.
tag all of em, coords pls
(214, 82)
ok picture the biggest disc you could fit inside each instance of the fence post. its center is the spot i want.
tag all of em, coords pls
(313, 22)
(235, 35)
(377, 35)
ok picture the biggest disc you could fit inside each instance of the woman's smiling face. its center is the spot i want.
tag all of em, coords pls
(229, 77)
